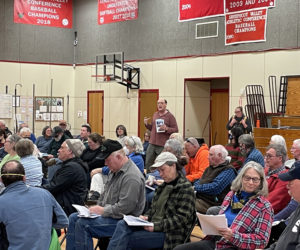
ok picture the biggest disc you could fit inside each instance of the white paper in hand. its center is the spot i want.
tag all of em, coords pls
(136, 221)
(210, 223)
(84, 212)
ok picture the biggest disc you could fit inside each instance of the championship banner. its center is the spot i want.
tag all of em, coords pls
(245, 27)
(54, 13)
(196, 9)
(111, 11)
(242, 5)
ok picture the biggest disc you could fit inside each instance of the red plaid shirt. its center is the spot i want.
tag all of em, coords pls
(251, 227)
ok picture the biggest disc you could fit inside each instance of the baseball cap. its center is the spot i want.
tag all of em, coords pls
(76, 146)
(163, 158)
(108, 147)
(57, 130)
(292, 174)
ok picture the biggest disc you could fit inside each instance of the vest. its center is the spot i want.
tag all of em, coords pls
(208, 176)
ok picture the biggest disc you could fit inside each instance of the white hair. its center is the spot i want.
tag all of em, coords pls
(278, 139)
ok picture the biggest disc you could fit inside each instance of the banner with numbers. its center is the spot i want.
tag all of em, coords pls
(54, 13)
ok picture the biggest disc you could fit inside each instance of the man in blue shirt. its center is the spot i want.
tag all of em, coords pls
(27, 212)
(216, 180)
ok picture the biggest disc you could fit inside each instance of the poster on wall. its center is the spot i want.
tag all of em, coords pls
(111, 11)
(242, 5)
(245, 27)
(196, 9)
(5, 106)
(47, 107)
(54, 13)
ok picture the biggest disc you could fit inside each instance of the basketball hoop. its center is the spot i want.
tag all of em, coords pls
(102, 78)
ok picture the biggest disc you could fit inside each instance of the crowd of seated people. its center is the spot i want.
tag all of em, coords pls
(187, 177)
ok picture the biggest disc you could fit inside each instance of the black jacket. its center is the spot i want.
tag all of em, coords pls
(90, 157)
(69, 184)
(54, 146)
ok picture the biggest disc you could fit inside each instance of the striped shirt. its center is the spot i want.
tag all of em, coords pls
(33, 170)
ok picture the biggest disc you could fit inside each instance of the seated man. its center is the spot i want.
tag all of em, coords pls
(69, 183)
(198, 161)
(63, 125)
(247, 146)
(59, 137)
(27, 212)
(85, 131)
(124, 193)
(278, 193)
(290, 237)
(216, 180)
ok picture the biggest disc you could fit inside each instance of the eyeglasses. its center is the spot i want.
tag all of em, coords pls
(254, 179)
(267, 156)
(62, 124)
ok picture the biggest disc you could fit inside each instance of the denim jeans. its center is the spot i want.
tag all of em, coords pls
(82, 230)
(126, 237)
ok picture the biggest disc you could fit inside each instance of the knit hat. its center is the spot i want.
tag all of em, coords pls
(163, 158)
(292, 174)
(76, 146)
(108, 147)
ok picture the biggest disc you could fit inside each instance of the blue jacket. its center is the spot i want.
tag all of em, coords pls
(255, 155)
(43, 143)
(138, 161)
(27, 214)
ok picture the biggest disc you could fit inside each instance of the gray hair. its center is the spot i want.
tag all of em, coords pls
(24, 130)
(220, 149)
(297, 142)
(136, 143)
(3, 122)
(263, 187)
(279, 149)
(177, 136)
(247, 140)
(14, 139)
(175, 145)
(278, 139)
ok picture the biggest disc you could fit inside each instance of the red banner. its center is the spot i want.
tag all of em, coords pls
(195, 9)
(241, 5)
(111, 11)
(247, 26)
(54, 13)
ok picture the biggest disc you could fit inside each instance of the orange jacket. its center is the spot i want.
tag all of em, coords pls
(196, 166)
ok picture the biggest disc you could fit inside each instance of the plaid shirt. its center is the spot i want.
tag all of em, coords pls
(179, 212)
(251, 227)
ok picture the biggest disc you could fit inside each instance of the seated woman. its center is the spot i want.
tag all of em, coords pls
(233, 148)
(121, 134)
(134, 151)
(171, 212)
(249, 214)
(9, 147)
(154, 179)
(43, 141)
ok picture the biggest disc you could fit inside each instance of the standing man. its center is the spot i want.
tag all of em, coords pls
(278, 193)
(239, 120)
(124, 193)
(27, 212)
(198, 161)
(163, 124)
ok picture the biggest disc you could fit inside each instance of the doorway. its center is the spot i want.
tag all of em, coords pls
(95, 111)
(147, 107)
(206, 109)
